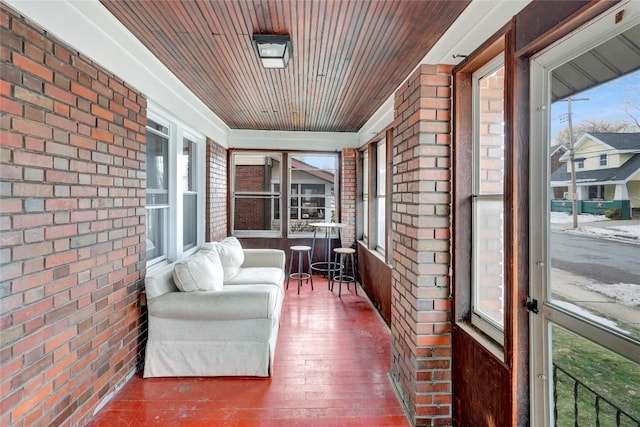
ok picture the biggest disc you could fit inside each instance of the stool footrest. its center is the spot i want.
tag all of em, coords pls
(326, 267)
(302, 276)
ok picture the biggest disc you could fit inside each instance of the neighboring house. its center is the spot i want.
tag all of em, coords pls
(555, 154)
(607, 169)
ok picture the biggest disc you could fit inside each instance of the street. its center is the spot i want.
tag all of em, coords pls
(603, 261)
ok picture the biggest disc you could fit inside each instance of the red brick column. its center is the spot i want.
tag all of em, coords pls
(420, 303)
(348, 196)
(216, 200)
(72, 146)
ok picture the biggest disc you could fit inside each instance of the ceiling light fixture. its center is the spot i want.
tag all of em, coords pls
(274, 50)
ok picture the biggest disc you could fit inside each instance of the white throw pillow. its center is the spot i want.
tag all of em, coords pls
(231, 256)
(201, 272)
(209, 249)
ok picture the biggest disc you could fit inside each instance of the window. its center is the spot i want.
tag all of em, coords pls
(374, 202)
(603, 160)
(256, 203)
(381, 185)
(157, 191)
(365, 196)
(189, 195)
(175, 194)
(259, 194)
(580, 163)
(308, 202)
(312, 198)
(596, 192)
(487, 285)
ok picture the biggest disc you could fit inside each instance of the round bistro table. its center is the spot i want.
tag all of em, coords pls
(326, 266)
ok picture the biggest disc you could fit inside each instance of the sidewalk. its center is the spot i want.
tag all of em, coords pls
(593, 226)
(606, 223)
(580, 291)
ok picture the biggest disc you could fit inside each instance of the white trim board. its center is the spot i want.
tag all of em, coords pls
(292, 140)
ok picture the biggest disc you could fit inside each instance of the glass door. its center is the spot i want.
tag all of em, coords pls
(585, 225)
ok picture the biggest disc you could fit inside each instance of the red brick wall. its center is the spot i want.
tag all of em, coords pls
(73, 225)
(216, 201)
(421, 228)
(254, 213)
(348, 196)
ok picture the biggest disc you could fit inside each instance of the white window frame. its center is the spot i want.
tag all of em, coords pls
(365, 196)
(381, 190)
(273, 205)
(163, 208)
(478, 319)
(174, 230)
(604, 159)
(273, 194)
(197, 179)
(284, 195)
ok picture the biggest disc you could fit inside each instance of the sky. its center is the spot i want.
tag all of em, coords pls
(606, 102)
(321, 162)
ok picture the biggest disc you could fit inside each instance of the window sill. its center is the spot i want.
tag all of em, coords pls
(483, 340)
(258, 235)
(157, 266)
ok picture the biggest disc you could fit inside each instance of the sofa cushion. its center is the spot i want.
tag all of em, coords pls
(201, 272)
(231, 256)
(257, 275)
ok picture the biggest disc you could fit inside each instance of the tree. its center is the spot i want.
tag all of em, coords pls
(633, 111)
(593, 125)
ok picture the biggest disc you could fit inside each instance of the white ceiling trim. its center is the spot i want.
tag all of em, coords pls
(378, 122)
(477, 23)
(292, 140)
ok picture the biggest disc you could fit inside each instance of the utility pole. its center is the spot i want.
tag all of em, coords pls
(572, 154)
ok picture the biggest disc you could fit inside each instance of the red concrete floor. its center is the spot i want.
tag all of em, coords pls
(331, 369)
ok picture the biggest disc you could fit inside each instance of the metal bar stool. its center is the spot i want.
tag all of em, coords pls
(344, 258)
(300, 275)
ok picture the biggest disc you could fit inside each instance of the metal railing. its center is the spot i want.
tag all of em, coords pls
(591, 395)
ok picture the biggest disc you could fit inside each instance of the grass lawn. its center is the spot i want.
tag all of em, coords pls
(614, 377)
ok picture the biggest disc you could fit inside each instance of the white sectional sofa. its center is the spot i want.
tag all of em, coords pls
(217, 313)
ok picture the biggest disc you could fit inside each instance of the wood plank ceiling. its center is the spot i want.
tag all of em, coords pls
(348, 57)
